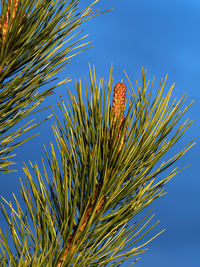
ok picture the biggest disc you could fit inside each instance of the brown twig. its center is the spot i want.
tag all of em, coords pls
(1, 69)
(4, 22)
(84, 222)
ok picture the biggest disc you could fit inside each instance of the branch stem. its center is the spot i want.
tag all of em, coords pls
(88, 212)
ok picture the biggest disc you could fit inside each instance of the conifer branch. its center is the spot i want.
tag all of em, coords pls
(109, 172)
(106, 168)
(118, 108)
(32, 52)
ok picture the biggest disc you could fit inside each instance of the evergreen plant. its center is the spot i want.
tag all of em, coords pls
(107, 165)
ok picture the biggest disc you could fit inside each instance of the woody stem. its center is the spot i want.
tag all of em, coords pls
(84, 222)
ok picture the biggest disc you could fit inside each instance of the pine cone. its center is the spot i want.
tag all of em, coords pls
(118, 103)
(118, 107)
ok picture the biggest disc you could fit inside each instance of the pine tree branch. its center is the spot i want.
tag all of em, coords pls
(118, 107)
(106, 177)
(37, 39)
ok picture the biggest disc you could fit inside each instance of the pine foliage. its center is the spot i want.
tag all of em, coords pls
(107, 162)
(37, 39)
(79, 211)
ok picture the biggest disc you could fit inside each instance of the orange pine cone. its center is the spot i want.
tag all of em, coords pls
(118, 107)
(118, 103)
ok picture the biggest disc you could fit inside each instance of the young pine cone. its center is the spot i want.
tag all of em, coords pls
(118, 107)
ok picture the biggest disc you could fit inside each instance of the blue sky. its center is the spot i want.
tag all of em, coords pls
(163, 37)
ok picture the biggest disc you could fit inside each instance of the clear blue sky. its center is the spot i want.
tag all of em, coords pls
(163, 37)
